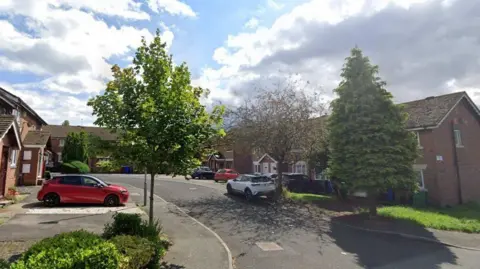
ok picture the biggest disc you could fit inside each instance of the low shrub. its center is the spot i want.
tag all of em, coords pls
(132, 224)
(74, 167)
(47, 175)
(137, 252)
(107, 166)
(4, 264)
(78, 249)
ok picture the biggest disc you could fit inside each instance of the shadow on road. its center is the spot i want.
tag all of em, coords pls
(41, 205)
(406, 253)
(261, 219)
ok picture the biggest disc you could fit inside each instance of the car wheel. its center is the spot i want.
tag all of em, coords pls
(111, 200)
(229, 189)
(51, 199)
(248, 195)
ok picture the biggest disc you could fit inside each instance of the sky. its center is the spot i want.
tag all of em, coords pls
(56, 54)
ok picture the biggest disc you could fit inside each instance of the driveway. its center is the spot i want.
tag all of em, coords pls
(263, 236)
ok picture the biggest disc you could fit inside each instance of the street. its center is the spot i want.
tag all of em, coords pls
(302, 239)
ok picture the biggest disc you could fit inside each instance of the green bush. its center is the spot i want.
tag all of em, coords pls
(47, 175)
(4, 264)
(74, 167)
(78, 249)
(132, 224)
(137, 252)
(107, 166)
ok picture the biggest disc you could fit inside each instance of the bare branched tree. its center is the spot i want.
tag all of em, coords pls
(277, 119)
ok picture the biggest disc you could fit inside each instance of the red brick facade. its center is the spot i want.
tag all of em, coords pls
(445, 185)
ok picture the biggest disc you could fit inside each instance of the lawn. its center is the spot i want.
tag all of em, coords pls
(307, 197)
(464, 218)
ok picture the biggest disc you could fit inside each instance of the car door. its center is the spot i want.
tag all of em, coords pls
(238, 184)
(220, 175)
(92, 191)
(68, 188)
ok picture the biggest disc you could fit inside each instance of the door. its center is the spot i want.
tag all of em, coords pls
(238, 184)
(69, 188)
(3, 170)
(90, 191)
(265, 168)
(220, 175)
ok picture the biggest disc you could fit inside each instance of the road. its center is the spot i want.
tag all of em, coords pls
(306, 239)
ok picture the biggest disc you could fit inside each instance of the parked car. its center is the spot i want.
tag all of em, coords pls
(203, 172)
(225, 175)
(251, 186)
(81, 189)
(302, 183)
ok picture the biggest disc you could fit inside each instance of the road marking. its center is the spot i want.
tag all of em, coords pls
(192, 189)
(229, 253)
(84, 210)
(268, 246)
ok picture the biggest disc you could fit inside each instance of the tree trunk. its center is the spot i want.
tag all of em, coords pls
(372, 205)
(152, 185)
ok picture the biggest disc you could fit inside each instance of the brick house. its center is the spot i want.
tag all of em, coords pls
(18, 120)
(59, 134)
(448, 132)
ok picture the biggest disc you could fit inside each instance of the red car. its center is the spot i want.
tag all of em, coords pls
(81, 189)
(225, 175)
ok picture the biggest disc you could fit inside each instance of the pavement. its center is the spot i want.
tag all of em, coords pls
(194, 245)
(265, 236)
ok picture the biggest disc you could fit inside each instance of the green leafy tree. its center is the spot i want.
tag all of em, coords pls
(156, 113)
(371, 150)
(66, 123)
(76, 147)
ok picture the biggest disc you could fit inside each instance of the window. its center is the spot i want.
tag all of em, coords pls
(13, 161)
(458, 138)
(27, 155)
(221, 171)
(25, 168)
(71, 180)
(59, 157)
(90, 182)
(300, 168)
(417, 134)
(420, 179)
(62, 142)
(257, 168)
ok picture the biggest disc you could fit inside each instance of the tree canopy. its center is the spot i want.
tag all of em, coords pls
(371, 150)
(66, 123)
(157, 113)
(76, 147)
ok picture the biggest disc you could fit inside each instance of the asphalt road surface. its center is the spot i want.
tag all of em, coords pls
(306, 239)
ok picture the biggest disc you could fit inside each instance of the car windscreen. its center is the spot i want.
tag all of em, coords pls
(100, 181)
(260, 179)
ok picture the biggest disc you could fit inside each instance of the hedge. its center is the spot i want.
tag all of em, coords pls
(136, 252)
(78, 249)
(74, 167)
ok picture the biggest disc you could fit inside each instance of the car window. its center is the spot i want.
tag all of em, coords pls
(71, 180)
(245, 178)
(221, 171)
(90, 182)
(306, 178)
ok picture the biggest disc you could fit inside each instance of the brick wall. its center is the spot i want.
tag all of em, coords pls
(440, 176)
(10, 179)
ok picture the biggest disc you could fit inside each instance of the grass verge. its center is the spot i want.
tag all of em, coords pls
(463, 218)
(307, 197)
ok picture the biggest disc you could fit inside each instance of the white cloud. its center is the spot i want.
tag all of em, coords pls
(68, 44)
(252, 23)
(174, 7)
(248, 57)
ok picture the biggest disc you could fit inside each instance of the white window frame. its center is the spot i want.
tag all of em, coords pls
(27, 155)
(13, 158)
(422, 186)
(257, 168)
(62, 142)
(417, 134)
(458, 138)
(59, 155)
(300, 167)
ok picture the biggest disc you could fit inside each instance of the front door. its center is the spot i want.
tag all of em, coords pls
(265, 168)
(3, 170)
